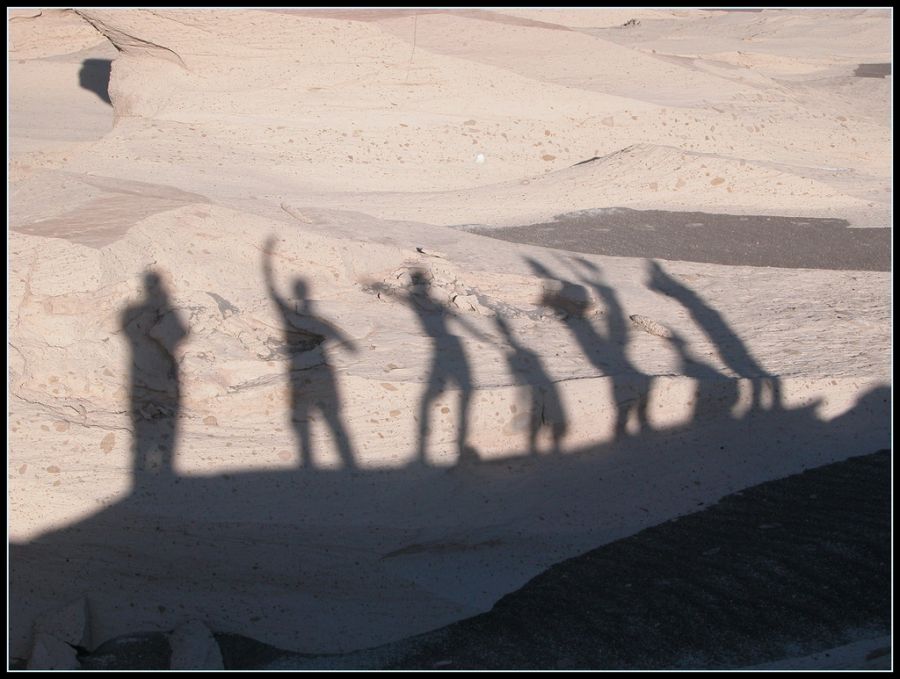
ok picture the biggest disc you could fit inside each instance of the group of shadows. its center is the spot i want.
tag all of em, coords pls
(154, 331)
(256, 551)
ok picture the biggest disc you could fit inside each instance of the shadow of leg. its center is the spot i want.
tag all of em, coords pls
(304, 450)
(435, 389)
(333, 417)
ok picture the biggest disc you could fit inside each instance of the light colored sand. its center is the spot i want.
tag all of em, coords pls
(353, 140)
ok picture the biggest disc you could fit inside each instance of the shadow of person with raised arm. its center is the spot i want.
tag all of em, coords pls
(570, 303)
(631, 387)
(714, 392)
(606, 353)
(545, 407)
(312, 381)
(154, 332)
(731, 348)
(449, 364)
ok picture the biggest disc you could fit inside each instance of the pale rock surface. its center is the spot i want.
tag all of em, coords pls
(350, 138)
(50, 653)
(194, 648)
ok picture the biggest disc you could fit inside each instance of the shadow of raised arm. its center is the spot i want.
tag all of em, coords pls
(269, 276)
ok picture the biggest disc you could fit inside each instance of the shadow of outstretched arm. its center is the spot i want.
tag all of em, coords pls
(729, 345)
(430, 306)
(325, 329)
(302, 321)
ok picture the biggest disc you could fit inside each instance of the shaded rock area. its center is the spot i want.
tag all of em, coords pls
(194, 647)
(739, 240)
(787, 568)
(139, 651)
(872, 71)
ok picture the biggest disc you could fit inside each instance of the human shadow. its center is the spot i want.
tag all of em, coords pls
(731, 348)
(714, 392)
(606, 352)
(375, 554)
(94, 76)
(312, 382)
(631, 387)
(154, 332)
(544, 404)
(449, 365)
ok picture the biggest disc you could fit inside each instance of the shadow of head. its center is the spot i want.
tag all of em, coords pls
(94, 76)
(419, 278)
(300, 290)
(419, 286)
(153, 284)
(566, 299)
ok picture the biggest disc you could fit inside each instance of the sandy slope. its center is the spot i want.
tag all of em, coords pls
(354, 140)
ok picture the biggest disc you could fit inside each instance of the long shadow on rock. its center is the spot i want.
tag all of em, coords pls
(605, 350)
(154, 331)
(449, 363)
(312, 380)
(545, 409)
